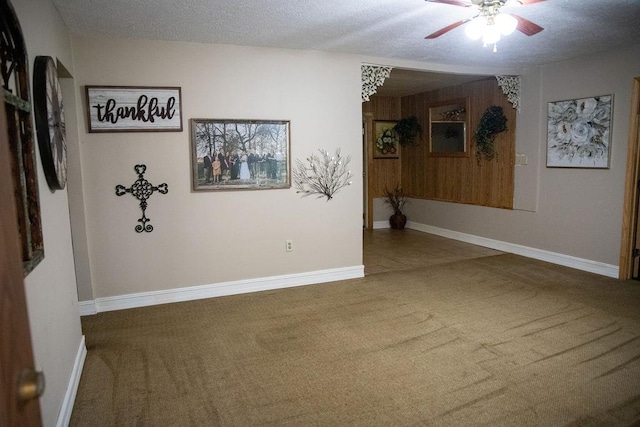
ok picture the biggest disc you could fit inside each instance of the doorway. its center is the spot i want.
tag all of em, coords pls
(386, 105)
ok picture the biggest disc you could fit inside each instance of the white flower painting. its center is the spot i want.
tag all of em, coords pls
(578, 133)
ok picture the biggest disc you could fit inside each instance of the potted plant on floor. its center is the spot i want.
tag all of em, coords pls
(396, 198)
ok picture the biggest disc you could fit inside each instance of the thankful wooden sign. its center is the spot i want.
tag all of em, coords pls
(134, 109)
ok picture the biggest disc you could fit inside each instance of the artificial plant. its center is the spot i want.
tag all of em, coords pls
(395, 198)
(407, 130)
(493, 122)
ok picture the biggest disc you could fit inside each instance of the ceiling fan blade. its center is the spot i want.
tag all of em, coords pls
(527, 27)
(453, 2)
(526, 2)
(447, 29)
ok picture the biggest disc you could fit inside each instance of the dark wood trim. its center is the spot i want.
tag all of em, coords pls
(629, 212)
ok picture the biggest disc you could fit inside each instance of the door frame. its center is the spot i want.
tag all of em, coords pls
(631, 193)
(16, 352)
(367, 121)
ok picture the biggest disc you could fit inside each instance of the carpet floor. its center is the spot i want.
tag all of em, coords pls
(479, 339)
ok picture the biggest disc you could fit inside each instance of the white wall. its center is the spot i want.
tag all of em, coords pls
(215, 237)
(51, 287)
(576, 212)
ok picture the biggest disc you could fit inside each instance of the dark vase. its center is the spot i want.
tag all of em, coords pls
(397, 220)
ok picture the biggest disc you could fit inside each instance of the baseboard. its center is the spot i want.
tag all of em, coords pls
(144, 299)
(381, 224)
(87, 308)
(72, 389)
(596, 267)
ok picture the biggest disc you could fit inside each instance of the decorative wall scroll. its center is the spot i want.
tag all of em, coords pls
(142, 190)
(510, 86)
(579, 132)
(373, 77)
(134, 109)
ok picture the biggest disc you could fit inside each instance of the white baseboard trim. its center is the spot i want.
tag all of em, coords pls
(87, 308)
(381, 224)
(596, 267)
(72, 389)
(144, 299)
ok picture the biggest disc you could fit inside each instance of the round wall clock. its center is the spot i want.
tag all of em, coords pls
(50, 126)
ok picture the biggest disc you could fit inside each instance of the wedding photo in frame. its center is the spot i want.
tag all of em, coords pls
(240, 154)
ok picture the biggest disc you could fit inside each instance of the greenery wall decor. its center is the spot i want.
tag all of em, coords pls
(407, 130)
(493, 122)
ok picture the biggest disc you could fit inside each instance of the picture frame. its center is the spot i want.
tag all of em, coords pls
(386, 143)
(134, 109)
(250, 154)
(449, 128)
(579, 132)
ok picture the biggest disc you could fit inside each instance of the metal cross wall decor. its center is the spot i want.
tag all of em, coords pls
(142, 190)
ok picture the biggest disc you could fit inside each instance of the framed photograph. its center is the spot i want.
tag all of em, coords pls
(386, 144)
(240, 154)
(134, 109)
(579, 133)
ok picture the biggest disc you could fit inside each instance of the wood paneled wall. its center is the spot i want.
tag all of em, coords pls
(461, 179)
(451, 179)
(381, 172)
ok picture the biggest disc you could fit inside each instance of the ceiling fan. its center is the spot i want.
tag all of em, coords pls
(490, 22)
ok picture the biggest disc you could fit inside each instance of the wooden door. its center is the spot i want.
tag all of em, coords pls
(16, 355)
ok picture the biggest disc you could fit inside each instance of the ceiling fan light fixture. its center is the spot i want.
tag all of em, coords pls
(506, 23)
(516, 3)
(475, 29)
(491, 35)
(490, 23)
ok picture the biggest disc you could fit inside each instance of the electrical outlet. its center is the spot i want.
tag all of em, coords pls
(289, 245)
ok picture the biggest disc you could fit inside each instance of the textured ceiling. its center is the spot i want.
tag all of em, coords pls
(377, 28)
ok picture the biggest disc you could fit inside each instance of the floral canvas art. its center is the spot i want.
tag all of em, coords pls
(578, 134)
(386, 143)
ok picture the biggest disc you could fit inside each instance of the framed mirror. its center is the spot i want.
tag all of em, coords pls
(449, 128)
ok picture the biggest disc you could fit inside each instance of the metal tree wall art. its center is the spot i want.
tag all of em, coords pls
(142, 190)
(322, 175)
